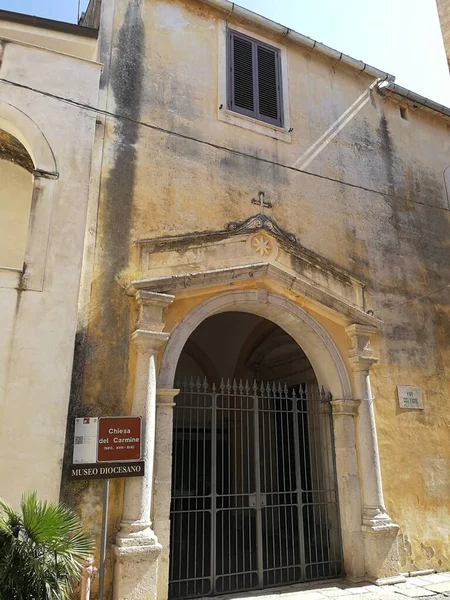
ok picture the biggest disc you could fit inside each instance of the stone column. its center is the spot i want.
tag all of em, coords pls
(344, 416)
(137, 548)
(163, 482)
(379, 533)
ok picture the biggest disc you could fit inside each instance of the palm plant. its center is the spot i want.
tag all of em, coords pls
(42, 549)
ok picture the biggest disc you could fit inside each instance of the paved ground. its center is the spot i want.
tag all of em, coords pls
(436, 586)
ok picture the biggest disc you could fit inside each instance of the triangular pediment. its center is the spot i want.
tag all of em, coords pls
(256, 248)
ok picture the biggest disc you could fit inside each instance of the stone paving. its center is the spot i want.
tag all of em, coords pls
(436, 585)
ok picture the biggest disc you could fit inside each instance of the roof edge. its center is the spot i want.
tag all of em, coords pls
(394, 88)
(387, 89)
(231, 8)
(43, 23)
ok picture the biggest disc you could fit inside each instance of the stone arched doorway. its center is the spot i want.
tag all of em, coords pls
(330, 373)
(368, 536)
(254, 495)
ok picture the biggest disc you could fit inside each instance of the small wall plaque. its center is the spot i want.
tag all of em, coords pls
(409, 397)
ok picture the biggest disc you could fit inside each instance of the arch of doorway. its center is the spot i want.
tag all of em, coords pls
(331, 372)
(314, 340)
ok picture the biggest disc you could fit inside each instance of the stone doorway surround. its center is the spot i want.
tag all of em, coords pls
(369, 537)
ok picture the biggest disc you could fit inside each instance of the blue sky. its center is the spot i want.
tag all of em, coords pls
(399, 36)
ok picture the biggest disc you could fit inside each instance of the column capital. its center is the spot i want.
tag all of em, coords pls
(361, 355)
(362, 363)
(149, 341)
(152, 308)
(165, 397)
(348, 407)
(358, 329)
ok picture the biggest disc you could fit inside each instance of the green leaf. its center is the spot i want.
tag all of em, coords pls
(42, 550)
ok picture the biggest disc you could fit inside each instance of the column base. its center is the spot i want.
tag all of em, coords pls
(381, 555)
(136, 568)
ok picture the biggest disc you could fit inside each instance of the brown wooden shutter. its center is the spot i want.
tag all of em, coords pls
(254, 82)
(243, 75)
(268, 85)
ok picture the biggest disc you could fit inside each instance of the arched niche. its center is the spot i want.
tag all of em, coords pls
(27, 173)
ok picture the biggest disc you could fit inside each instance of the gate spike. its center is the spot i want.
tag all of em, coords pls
(198, 384)
(205, 384)
(247, 387)
(234, 386)
(268, 388)
(213, 388)
(228, 385)
(222, 385)
(241, 386)
(255, 386)
(191, 383)
(285, 390)
(262, 387)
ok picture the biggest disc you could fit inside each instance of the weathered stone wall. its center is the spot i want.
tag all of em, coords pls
(444, 18)
(373, 201)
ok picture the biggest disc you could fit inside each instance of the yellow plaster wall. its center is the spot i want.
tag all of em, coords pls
(388, 223)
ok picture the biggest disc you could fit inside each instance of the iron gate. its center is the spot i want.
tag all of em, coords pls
(254, 498)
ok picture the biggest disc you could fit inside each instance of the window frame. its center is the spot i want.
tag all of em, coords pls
(255, 114)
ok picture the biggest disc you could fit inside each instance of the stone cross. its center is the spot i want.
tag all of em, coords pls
(261, 202)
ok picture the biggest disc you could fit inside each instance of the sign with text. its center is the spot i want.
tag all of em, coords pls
(85, 440)
(119, 439)
(107, 470)
(409, 397)
(107, 447)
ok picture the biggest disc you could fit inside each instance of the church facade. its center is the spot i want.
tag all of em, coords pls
(269, 293)
(265, 281)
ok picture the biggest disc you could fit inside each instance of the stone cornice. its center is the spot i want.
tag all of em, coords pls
(252, 224)
(294, 283)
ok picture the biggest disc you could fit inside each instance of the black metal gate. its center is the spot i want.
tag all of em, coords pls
(254, 498)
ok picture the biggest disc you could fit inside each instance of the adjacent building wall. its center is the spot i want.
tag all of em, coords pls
(38, 297)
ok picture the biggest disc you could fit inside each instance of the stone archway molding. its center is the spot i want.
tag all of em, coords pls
(314, 340)
(21, 126)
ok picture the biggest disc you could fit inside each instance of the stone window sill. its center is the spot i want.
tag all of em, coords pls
(278, 133)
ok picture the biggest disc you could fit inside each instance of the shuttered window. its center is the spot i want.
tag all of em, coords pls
(254, 79)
